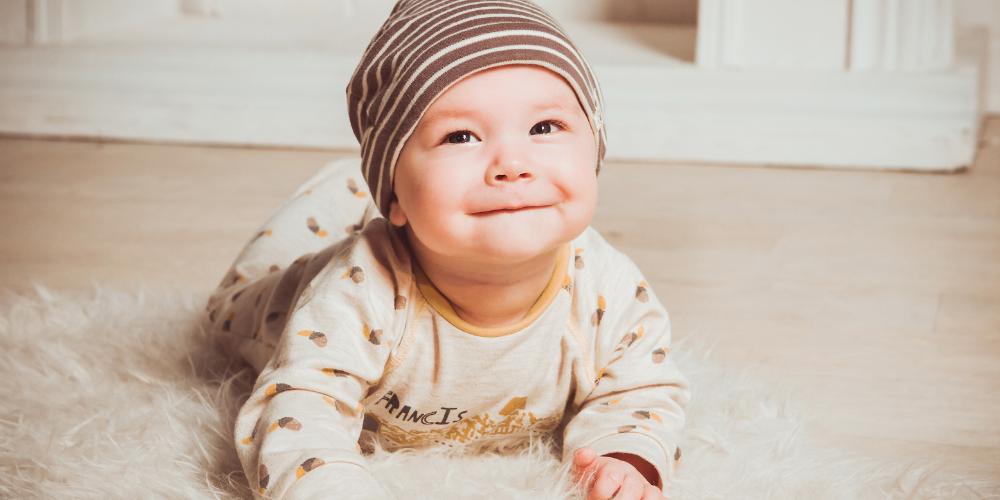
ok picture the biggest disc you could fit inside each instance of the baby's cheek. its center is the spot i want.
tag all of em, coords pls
(581, 200)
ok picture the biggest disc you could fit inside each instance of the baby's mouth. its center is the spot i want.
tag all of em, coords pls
(511, 210)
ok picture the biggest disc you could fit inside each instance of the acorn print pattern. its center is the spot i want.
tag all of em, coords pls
(595, 319)
(248, 440)
(236, 278)
(373, 336)
(266, 232)
(274, 268)
(631, 337)
(307, 466)
(236, 296)
(578, 260)
(331, 402)
(642, 293)
(228, 324)
(353, 187)
(568, 284)
(285, 423)
(353, 228)
(659, 355)
(334, 373)
(677, 456)
(629, 428)
(356, 274)
(314, 227)
(646, 415)
(273, 316)
(400, 302)
(276, 388)
(318, 338)
(264, 479)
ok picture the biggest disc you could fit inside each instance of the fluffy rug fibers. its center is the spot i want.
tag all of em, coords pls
(110, 394)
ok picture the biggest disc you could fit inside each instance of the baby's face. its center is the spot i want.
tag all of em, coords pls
(501, 168)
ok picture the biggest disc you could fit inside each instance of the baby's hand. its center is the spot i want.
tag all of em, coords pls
(604, 478)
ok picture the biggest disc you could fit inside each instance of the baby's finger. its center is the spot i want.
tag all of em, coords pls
(584, 465)
(609, 480)
(652, 493)
(633, 488)
(584, 457)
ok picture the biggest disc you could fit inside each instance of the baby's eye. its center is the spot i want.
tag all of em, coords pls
(460, 137)
(542, 128)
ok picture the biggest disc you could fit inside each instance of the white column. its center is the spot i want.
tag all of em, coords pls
(773, 34)
(46, 21)
(902, 35)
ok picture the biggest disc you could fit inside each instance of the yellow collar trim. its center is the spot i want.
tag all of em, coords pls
(443, 307)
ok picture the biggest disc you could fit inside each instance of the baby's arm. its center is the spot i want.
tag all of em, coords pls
(632, 419)
(297, 434)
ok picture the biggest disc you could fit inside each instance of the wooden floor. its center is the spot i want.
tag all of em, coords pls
(875, 296)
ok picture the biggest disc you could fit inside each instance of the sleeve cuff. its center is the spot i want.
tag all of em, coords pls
(337, 480)
(641, 446)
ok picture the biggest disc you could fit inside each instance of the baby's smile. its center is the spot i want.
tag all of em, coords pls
(510, 210)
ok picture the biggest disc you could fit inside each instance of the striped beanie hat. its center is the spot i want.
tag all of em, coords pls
(426, 46)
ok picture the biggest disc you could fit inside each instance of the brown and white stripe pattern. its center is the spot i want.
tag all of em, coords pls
(426, 46)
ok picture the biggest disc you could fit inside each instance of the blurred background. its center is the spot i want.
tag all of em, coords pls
(812, 186)
(845, 83)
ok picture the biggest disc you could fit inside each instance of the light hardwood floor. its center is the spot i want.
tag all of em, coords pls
(874, 296)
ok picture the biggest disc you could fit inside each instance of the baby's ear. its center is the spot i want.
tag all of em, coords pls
(396, 215)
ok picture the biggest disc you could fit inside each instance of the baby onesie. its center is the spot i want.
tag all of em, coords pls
(354, 341)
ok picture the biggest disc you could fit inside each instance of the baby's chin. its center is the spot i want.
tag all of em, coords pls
(516, 242)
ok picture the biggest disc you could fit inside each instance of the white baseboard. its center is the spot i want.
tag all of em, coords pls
(660, 106)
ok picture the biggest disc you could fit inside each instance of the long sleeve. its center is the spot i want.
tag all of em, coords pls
(297, 433)
(637, 404)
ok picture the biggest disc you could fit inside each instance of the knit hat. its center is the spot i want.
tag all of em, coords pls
(426, 46)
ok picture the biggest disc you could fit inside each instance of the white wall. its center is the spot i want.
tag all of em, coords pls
(649, 11)
(60, 21)
(985, 14)
(13, 21)
(86, 17)
(287, 9)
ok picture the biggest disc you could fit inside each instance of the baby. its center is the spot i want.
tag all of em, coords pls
(480, 306)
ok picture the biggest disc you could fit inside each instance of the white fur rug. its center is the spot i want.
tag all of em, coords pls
(119, 395)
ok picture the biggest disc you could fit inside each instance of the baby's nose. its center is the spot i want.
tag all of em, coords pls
(504, 177)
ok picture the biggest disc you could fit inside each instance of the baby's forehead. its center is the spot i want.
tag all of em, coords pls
(523, 87)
